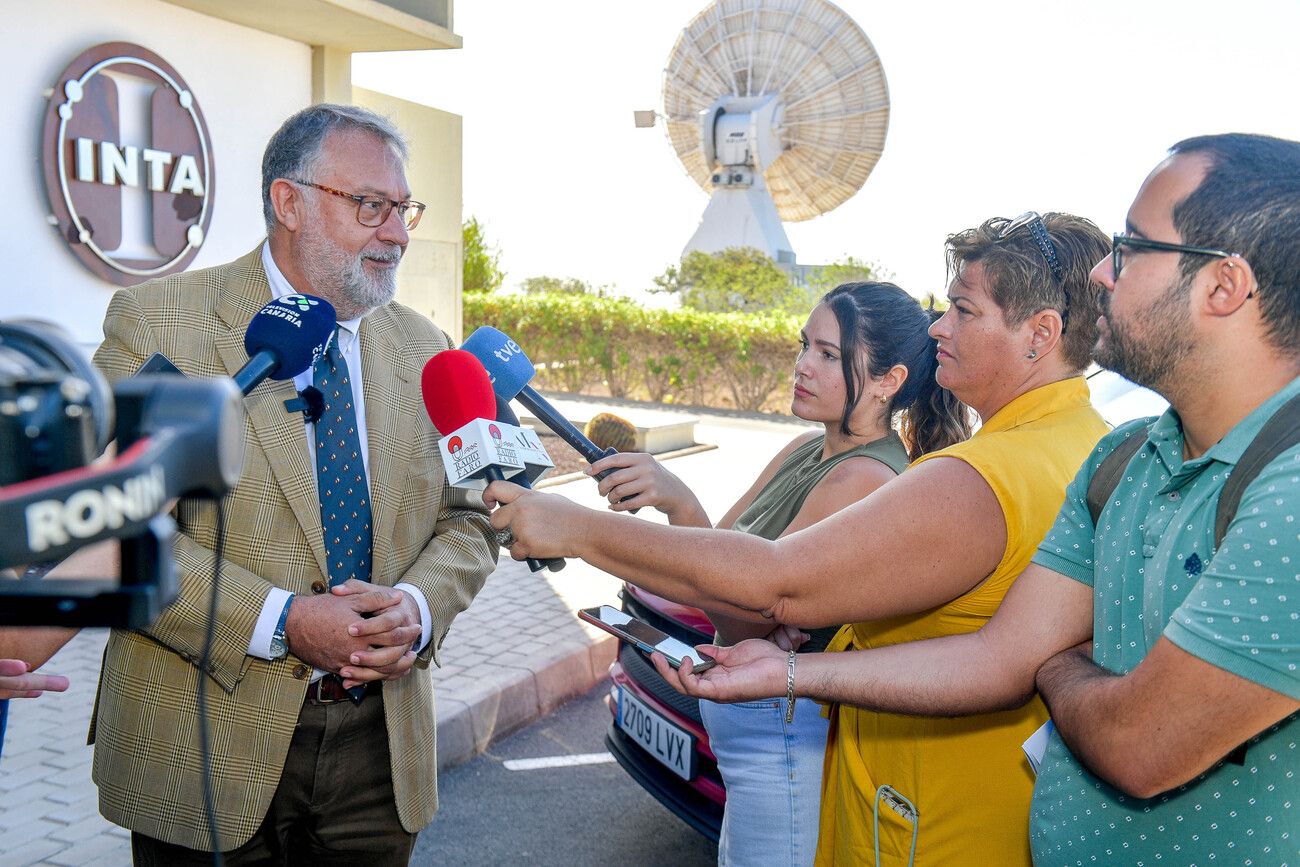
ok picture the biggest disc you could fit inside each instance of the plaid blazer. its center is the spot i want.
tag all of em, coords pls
(147, 762)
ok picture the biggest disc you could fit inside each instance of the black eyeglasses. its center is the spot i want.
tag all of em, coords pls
(1117, 242)
(1038, 231)
(372, 211)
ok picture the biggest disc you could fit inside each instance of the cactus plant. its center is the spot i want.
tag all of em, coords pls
(609, 431)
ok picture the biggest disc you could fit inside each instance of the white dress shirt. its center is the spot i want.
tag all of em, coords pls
(259, 644)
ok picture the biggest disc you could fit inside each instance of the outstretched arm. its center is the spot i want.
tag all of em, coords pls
(849, 482)
(17, 680)
(991, 669)
(878, 558)
(26, 648)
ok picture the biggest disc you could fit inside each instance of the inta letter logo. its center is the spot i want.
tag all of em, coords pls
(128, 164)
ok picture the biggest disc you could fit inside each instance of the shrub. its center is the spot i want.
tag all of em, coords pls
(692, 356)
(736, 279)
(480, 265)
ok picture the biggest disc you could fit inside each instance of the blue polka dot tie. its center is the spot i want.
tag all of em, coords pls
(341, 473)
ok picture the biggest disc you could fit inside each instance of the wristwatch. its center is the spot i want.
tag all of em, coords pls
(279, 645)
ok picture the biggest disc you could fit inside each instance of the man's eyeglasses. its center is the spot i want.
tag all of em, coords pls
(372, 211)
(1038, 231)
(1118, 242)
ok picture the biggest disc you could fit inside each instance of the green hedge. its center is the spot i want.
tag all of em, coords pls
(582, 342)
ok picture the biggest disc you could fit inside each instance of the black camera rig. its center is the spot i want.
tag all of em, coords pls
(175, 437)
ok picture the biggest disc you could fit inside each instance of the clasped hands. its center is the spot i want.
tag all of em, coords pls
(360, 631)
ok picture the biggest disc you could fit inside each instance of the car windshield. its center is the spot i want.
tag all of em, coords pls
(1119, 400)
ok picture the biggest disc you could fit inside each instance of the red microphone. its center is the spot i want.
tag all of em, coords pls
(459, 399)
(456, 390)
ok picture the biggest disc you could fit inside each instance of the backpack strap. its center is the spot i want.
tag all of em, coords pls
(1111, 470)
(1278, 434)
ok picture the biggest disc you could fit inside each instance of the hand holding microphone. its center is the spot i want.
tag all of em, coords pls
(507, 415)
(631, 480)
(543, 525)
(463, 407)
(510, 371)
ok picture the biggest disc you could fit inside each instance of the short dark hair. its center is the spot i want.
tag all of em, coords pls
(1022, 283)
(293, 150)
(1249, 203)
(883, 325)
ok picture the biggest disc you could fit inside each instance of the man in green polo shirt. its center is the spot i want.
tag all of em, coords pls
(1195, 652)
(1189, 653)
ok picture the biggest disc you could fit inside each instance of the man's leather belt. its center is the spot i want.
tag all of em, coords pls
(329, 689)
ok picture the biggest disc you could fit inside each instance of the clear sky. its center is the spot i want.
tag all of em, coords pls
(997, 108)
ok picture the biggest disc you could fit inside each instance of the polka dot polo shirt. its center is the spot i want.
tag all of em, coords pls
(1154, 571)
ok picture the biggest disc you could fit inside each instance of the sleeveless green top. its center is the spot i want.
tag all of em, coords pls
(782, 497)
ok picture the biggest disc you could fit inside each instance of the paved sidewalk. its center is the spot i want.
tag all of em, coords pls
(518, 652)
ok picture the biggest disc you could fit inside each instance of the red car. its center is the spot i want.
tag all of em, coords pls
(656, 734)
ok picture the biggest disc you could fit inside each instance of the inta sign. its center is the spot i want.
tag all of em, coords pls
(128, 164)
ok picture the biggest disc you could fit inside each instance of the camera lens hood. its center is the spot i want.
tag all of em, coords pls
(32, 348)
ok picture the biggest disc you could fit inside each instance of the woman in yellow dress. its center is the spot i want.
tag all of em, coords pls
(930, 554)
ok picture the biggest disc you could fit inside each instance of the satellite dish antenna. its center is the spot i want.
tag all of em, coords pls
(779, 109)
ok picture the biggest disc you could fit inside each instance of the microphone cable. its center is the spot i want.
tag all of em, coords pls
(209, 636)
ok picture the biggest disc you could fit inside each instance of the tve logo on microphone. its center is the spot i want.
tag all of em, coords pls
(128, 164)
(509, 349)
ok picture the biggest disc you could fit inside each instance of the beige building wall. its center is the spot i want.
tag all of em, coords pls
(222, 62)
(429, 279)
(250, 64)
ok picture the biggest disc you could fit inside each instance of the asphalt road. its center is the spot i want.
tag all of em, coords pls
(580, 815)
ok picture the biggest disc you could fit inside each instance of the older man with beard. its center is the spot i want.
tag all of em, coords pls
(1166, 651)
(346, 555)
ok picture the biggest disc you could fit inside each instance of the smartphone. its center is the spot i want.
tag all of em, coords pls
(159, 363)
(645, 636)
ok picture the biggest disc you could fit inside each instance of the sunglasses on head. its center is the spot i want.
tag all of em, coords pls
(1032, 221)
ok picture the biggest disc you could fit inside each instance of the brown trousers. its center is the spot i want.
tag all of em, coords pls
(334, 804)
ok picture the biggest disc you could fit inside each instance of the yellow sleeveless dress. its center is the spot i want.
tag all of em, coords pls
(967, 777)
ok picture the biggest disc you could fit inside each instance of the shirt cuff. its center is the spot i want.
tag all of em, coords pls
(260, 644)
(426, 620)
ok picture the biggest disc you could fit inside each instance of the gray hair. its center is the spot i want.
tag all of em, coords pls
(294, 149)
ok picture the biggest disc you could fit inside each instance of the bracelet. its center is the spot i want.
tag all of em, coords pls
(789, 690)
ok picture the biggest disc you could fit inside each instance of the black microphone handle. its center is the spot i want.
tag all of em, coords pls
(258, 368)
(493, 473)
(564, 429)
(559, 425)
(507, 415)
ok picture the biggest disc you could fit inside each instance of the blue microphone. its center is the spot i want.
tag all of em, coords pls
(509, 370)
(285, 338)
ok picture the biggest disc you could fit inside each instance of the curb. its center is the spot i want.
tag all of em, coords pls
(470, 724)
